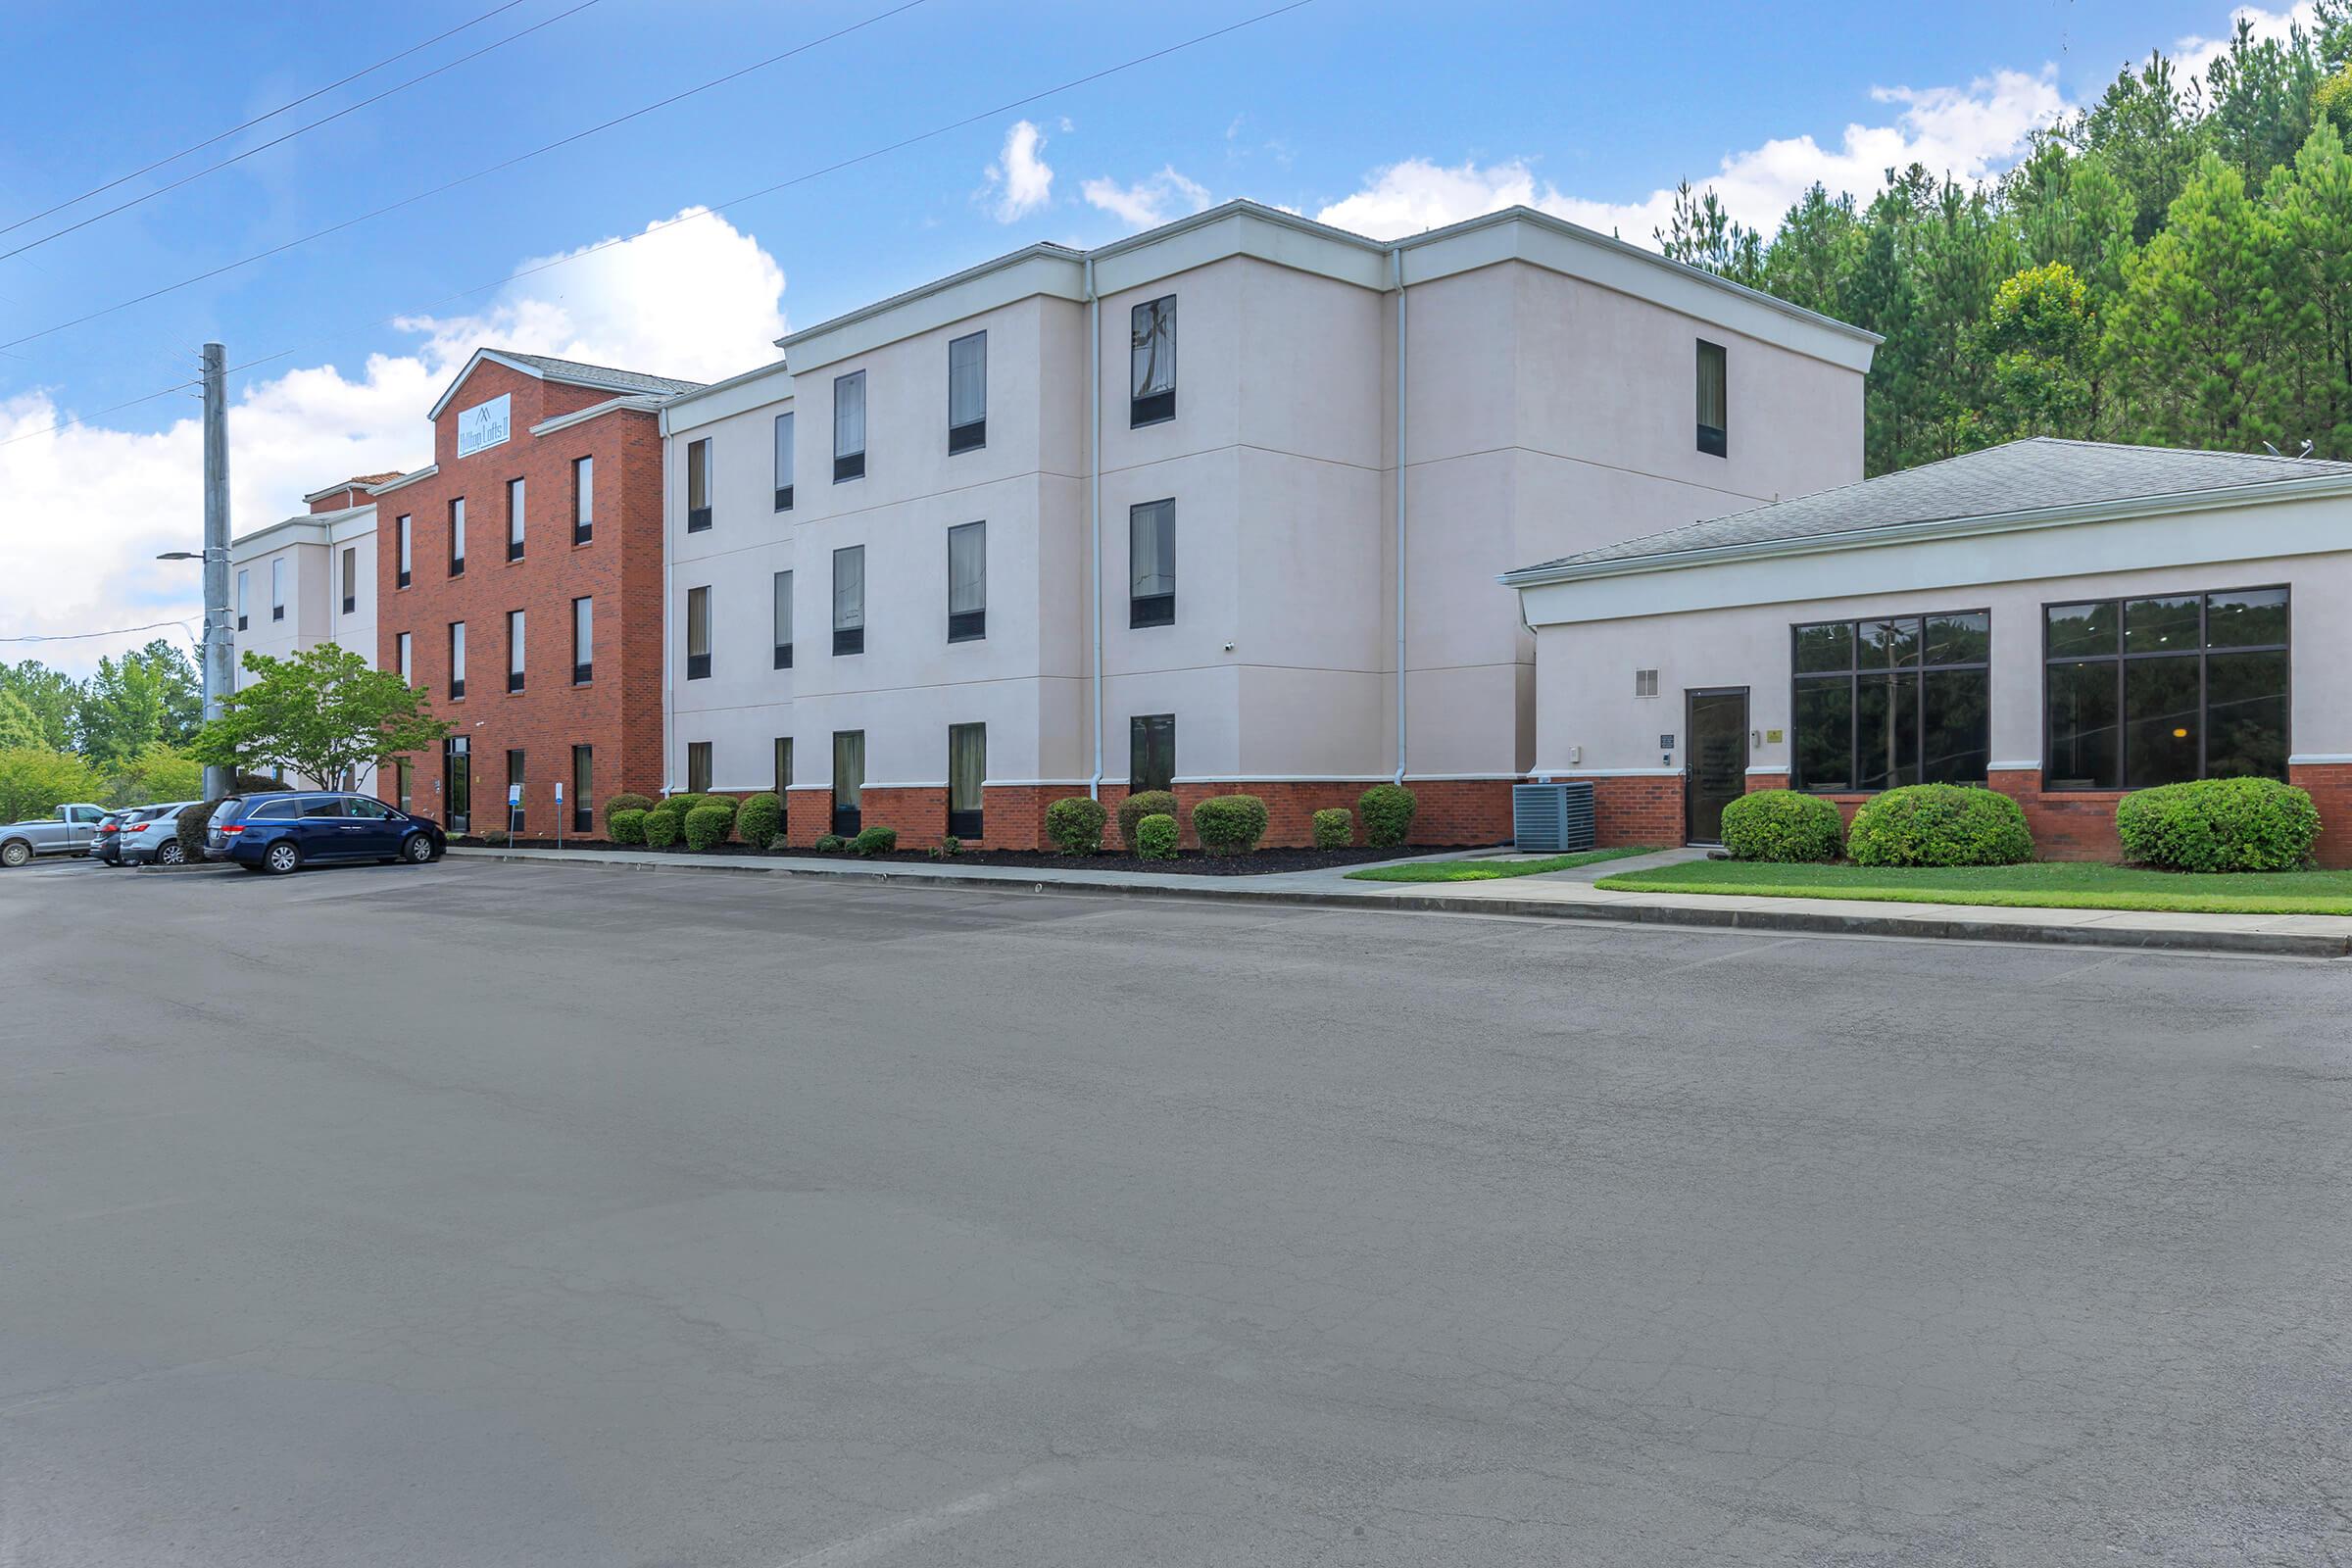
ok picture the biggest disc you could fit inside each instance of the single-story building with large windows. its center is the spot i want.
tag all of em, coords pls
(2061, 620)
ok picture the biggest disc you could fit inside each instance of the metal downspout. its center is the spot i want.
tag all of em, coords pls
(1093, 481)
(1396, 261)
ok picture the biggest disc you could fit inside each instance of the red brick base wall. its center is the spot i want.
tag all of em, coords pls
(2331, 786)
(1637, 811)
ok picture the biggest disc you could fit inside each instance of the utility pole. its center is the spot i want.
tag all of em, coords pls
(218, 631)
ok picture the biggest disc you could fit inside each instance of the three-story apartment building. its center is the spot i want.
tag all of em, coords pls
(518, 577)
(1093, 522)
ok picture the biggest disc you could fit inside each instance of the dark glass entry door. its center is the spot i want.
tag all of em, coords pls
(457, 782)
(1714, 760)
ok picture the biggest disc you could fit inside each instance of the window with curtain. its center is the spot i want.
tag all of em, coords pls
(698, 767)
(849, 779)
(1892, 700)
(583, 641)
(457, 537)
(783, 594)
(697, 485)
(783, 766)
(1713, 398)
(1150, 752)
(514, 517)
(967, 768)
(583, 788)
(583, 500)
(849, 426)
(401, 647)
(1152, 362)
(2163, 690)
(784, 462)
(400, 527)
(967, 583)
(849, 600)
(968, 393)
(697, 633)
(242, 579)
(514, 646)
(1151, 563)
(278, 589)
(351, 580)
(456, 659)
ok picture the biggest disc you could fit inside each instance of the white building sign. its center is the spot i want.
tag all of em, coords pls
(485, 424)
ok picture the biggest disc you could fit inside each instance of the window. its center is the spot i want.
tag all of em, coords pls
(2162, 690)
(968, 393)
(783, 593)
(967, 583)
(698, 767)
(849, 426)
(320, 805)
(242, 574)
(515, 806)
(967, 768)
(784, 463)
(351, 579)
(1152, 362)
(697, 633)
(402, 789)
(1713, 395)
(1885, 702)
(1150, 753)
(457, 537)
(514, 517)
(783, 766)
(849, 601)
(400, 527)
(456, 659)
(514, 650)
(278, 589)
(1645, 683)
(401, 652)
(697, 485)
(1151, 563)
(583, 641)
(849, 779)
(583, 500)
(583, 788)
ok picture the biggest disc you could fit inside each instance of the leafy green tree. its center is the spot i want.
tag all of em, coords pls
(2311, 389)
(319, 714)
(2145, 127)
(50, 694)
(158, 773)
(20, 726)
(34, 781)
(2041, 341)
(132, 703)
(1702, 232)
(2261, 94)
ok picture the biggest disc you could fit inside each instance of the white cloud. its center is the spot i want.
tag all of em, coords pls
(2194, 55)
(84, 511)
(1151, 200)
(1020, 181)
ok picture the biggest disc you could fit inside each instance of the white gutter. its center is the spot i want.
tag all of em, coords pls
(1094, 504)
(1396, 262)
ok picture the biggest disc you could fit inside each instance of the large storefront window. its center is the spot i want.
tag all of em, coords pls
(1892, 700)
(2162, 690)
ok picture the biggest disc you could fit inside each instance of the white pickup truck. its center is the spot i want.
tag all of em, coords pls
(68, 831)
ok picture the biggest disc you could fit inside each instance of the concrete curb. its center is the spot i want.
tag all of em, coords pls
(1958, 926)
(214, 866)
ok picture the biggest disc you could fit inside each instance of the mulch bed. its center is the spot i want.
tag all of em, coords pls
(1192, 863)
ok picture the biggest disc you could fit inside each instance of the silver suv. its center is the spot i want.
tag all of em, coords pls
(150, 836)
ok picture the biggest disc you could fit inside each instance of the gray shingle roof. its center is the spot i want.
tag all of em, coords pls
(2030, 475)
(602, 375)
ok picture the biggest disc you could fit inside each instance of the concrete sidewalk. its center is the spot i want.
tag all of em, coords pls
(1562, 895)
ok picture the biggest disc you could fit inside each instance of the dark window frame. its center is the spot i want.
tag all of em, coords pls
(1852, 675)
(457, 637)
(1140, 730)
(786, 460)
(517, 517)
(970, 823)
(1153, 407)
(972, 434)
(583, 671)
(698, 666)
(402, 544)
(2203, 654)
(969, 625)
(783, 654)
(457, 536)
(698, 767)
(1150, 609)
(350, 562)
(582, 802)
(697, 518)
(518, 651)
(847, 465)
(847, 640)
(584, 527)
(1714, 439)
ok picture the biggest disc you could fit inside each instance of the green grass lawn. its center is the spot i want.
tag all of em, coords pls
(2042, 884)
(1490, 870)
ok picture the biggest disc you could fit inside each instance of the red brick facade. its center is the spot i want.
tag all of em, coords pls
(2331, 788)
(618, 711)
(1642, 809)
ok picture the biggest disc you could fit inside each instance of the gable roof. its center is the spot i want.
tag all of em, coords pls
(571, 372)
(2039, 477)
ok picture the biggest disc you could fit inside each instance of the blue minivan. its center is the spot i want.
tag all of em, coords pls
(281, 832)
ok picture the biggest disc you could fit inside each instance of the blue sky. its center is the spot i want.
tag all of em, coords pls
(1377, 115)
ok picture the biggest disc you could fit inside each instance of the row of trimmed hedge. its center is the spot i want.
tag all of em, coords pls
(2218, 825)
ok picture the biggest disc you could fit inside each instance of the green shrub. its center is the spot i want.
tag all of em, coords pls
(727, 803)
(1135, 808)
(1075, 824)
(684, 801)
(949, 847)
(1939, 825)
(189, 827)
(759, 819)
(2218, 824)
(495, 837)
(1156, 837)
(1229, 824)
(708, 827)
(1782, 825)
(1335, 828)
(625, 826)
(830, 844)
(875, 841)
(1388, 813)
(625, 802)
(661, 829)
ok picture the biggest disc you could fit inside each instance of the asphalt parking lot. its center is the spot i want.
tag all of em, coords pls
(522, 1215)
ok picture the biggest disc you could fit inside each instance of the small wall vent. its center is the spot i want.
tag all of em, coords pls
(1645, 683)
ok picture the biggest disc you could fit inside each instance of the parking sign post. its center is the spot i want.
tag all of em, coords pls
(558, 813)
(514, 811)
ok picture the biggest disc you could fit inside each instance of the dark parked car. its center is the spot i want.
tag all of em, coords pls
(106, 844)
(282, 831)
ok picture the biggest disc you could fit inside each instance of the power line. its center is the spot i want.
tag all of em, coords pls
(272, 113)
(263, 147)
(98, 413)
(120, 631)
(464, 179)
(716, 209)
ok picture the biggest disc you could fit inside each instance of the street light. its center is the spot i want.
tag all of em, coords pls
(216, 633)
